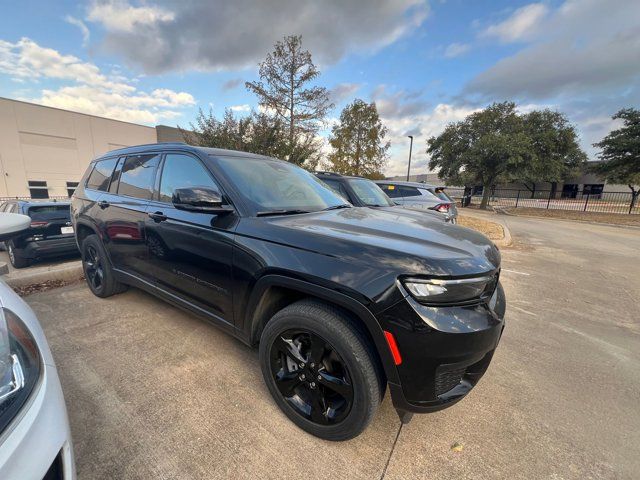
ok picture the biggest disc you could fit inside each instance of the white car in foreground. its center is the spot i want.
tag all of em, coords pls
(35, 440)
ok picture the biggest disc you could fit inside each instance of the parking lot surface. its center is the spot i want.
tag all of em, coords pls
(156, 393)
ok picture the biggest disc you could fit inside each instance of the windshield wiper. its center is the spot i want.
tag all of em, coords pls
(336, 207)
(268, 213)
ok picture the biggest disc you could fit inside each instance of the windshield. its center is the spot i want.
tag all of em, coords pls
(273, 185)
(369, 193)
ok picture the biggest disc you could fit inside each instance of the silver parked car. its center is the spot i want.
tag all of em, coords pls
(35, 439)
(420, 195)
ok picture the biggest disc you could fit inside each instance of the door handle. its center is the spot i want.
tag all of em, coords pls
(103, 204)
(157, 216)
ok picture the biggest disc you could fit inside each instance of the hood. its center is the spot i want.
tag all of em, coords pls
(390, 239)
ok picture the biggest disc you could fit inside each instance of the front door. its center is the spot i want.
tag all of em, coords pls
(191, 252)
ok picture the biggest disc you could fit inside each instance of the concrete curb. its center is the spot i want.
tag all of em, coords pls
(509, 214)
(67, 272)
(507, 240)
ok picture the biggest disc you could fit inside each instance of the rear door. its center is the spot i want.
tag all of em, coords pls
(191, 252)
(123, 211)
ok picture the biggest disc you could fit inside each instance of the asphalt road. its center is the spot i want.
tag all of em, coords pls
(155, 393)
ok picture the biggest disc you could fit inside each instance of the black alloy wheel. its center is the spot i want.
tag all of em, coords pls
(311, 376)
(93, 268)
(321, 370)
(97, 269)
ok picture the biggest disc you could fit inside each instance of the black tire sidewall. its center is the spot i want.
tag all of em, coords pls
(17, 261)
(109, 285)
(366, 384)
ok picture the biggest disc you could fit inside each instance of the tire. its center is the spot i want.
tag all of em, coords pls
(97, 269)
(346, 365)
(15, 258)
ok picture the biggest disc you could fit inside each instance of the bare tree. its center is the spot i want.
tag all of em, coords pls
(284, 91)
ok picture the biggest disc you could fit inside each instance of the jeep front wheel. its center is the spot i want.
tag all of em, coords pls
(319, 370)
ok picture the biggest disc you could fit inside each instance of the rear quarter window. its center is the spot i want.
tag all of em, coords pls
(101, 174)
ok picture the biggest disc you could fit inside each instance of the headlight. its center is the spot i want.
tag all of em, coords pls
(20, 365)
(462, 291)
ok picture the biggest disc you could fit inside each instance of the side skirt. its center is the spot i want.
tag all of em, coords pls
(179, 302)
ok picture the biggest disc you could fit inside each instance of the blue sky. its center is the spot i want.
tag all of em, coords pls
(423, 63)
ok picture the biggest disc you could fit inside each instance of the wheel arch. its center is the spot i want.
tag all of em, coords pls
(274, 292)
(83, 230)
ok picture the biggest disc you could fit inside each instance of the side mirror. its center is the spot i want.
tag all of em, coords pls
(199, 199)
(12, 225)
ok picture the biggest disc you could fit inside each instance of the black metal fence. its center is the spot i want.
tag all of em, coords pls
(581, 201)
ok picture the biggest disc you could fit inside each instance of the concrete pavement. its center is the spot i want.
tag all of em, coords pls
(154, 392)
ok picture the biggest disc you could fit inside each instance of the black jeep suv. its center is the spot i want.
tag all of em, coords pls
(342, 301)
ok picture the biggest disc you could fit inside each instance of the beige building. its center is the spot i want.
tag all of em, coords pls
(44, 151)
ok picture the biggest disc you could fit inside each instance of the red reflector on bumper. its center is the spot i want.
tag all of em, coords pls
(393, 346)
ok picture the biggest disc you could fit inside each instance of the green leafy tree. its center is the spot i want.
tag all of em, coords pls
(485, 148)
(554, 141)
(620, 153)
(208, 131)
(285, 91)
(256, 133)
(358, 141)
(498, 144)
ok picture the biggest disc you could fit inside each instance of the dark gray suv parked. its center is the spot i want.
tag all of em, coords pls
(50, 235)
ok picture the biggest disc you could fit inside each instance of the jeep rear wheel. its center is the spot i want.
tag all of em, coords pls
(319, 370)
(97, 269)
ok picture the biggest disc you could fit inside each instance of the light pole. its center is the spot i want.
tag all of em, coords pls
(410, 148)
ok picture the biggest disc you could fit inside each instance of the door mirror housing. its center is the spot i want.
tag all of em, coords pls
(199, 199)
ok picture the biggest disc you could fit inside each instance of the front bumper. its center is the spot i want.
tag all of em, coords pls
(445, 350)
(39, 437)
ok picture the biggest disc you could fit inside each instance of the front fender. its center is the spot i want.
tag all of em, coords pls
(362, 313)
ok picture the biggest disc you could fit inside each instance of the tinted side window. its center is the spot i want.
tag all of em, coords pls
(137, 176)
(409, 191)
(392, 191)
(337, 187)
(183, 171)
(101, 174)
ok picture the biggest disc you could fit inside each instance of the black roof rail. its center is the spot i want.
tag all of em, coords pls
(328, 173)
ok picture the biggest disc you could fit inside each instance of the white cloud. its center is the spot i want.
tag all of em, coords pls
(344, 92)
(584, 47)
(406, 113)
(119, 15)
(422, 127)
(164, 35)
(86, 88)
(456, 49)
(83, 28)
(240, 108)
(520, 25)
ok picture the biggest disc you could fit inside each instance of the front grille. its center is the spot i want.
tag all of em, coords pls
(448, 379)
